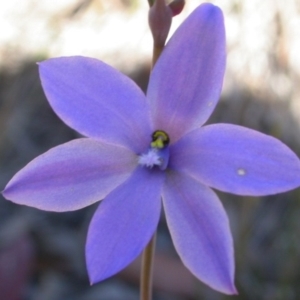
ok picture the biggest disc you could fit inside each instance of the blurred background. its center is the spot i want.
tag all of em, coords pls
(41, 253)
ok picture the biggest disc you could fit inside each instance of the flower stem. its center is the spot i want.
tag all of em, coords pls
(147, 268)
(157, 50)
(148, 254)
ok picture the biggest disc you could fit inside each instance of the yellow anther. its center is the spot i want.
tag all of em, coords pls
(157, 144)
(159, 139)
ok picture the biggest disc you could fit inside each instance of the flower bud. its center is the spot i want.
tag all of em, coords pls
(160, 19)
(176, 7)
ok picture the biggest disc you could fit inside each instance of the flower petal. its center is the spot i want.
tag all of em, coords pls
(200, 231)
(123, 224)
(186, 81)
(97, 100)
(238, 160)
(71, 176)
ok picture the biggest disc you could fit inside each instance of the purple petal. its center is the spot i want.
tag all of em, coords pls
(186, 81)
(97, 100)
(237, 160)
(200, 231)
(71, 176)
(123, 224)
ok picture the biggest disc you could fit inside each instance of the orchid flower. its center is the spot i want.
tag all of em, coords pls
(142, 151)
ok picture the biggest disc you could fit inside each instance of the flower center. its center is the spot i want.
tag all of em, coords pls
(158, 152)
(160, 139)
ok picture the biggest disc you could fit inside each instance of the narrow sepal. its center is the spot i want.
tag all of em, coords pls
(186, 81)
(200, 231)
(123, 224)
(97, 100)
(237, 160)
(71, 176)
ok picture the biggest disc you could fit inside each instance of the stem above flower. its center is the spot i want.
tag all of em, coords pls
(160, 19)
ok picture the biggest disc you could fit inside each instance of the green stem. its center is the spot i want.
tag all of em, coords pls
(148, 254)
(151, 2)
(147, 269)
(157, 50)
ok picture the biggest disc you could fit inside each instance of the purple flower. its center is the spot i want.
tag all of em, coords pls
(141, 150)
